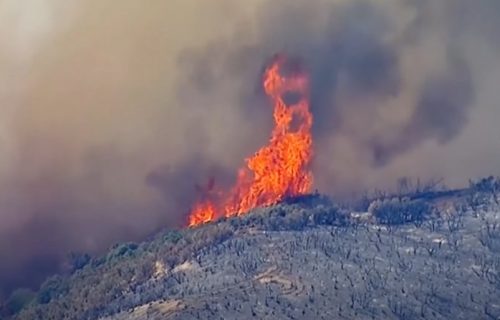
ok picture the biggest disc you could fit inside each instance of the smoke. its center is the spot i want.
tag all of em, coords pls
(88, 113)
(395, 84)
(113, 114)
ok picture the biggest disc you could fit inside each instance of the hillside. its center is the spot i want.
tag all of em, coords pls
(420, 255)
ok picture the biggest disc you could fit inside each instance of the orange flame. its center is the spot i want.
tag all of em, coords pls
(280, 169)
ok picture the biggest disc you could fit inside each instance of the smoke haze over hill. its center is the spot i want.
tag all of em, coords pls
(112, 113)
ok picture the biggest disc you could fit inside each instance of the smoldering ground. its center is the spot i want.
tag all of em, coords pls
(113, 113)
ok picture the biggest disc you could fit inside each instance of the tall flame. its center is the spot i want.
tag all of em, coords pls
(281, 168)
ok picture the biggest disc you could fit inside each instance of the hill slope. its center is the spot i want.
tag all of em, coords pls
(432, 255)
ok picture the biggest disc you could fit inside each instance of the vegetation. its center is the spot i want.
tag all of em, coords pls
(19, 299)
(431, 254)
(397, 211)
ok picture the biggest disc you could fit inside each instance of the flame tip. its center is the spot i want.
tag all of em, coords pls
(279, 169)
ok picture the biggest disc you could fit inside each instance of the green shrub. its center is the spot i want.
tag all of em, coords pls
(398, 211)
(486, 185)
(329, 215)
(52, 288)
(79, 260)
(172, 236)
(19, 299)
(125, 249)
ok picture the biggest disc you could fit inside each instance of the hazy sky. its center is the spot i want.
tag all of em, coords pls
(112, 111)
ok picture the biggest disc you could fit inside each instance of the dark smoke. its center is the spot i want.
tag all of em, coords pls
(356, 53)
(113, 114)
(387, 77)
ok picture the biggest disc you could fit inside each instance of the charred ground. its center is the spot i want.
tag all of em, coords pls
(420, 253)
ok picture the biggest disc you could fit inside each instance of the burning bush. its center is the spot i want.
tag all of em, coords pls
(281, 168)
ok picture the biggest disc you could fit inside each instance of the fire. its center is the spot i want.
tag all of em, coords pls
(202, 213)
(281, 168)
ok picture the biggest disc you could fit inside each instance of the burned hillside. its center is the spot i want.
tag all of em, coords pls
(304, 258)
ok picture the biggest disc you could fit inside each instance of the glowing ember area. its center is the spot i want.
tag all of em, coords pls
(281, 168)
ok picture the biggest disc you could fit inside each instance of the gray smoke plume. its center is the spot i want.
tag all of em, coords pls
(389, 79)
(113, 114)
